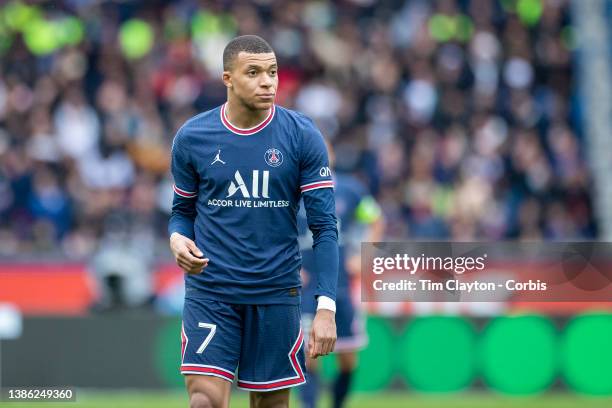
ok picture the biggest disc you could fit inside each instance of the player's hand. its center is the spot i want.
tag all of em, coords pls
(188, 256)
(322, 338)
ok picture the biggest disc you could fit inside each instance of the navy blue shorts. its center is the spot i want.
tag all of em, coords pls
(261, 345)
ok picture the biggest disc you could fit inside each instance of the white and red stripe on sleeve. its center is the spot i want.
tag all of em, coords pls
(317, 184)
(185, 193)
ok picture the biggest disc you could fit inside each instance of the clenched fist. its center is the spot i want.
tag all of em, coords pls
(322, 338)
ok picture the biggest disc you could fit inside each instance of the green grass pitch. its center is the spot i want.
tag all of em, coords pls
(137, 399)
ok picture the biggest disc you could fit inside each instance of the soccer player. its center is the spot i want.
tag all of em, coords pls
(240, 171)
(358, 216)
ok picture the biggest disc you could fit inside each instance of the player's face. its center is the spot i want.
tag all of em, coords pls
(254, 79)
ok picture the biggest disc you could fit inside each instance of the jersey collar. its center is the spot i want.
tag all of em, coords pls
(249, 131)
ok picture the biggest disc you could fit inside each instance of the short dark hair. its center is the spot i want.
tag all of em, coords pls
(252, 44)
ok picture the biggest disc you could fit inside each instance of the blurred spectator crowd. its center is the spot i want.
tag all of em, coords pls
(460, 115)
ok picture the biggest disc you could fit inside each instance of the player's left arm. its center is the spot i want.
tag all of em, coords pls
(316, 186)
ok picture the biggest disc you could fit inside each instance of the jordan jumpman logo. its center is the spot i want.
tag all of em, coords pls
(218, 158)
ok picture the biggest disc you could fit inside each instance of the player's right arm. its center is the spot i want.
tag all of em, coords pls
(180, 227)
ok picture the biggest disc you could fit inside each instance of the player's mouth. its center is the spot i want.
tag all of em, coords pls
(266, 97)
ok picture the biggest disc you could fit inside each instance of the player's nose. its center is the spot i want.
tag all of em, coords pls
(266, 81)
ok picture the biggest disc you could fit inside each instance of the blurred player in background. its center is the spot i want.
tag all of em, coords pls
(360, 219)
(240, 171)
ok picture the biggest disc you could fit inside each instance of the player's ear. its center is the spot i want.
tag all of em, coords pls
(227, 79)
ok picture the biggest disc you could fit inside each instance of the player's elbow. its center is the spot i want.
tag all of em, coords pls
(183, 212)
(326, 234)
(181, 215)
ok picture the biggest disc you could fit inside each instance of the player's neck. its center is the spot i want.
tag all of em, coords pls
(242, 117)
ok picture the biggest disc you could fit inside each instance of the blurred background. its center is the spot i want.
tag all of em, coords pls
(466, 119)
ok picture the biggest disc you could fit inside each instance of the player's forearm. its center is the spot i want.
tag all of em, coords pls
(321, 214)
(181, 224)
(326, 253)
(326, 265)
(182, 219)
(326, 256)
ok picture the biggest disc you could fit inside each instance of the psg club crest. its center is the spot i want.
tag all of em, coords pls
(274, 157)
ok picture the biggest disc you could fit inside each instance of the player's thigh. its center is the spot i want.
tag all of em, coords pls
(211, 339)
(207, 391)
(272, 399)
(272, 348)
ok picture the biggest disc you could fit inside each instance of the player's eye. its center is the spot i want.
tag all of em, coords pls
(252, 73)
(273, 72)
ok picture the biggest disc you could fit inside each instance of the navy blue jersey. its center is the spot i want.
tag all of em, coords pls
(237, 193)
(353, 206)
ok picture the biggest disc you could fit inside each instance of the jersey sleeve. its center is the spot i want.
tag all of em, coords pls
(186, 182)
(316, 186)
(314, 163)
